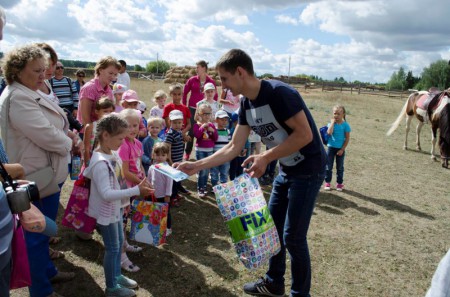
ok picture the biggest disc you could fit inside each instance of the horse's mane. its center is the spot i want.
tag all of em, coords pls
(444, 124)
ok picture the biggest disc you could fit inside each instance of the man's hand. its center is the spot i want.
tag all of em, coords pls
(258, 167)
(189, 168)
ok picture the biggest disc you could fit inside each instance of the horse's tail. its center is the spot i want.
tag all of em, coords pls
(395, 124)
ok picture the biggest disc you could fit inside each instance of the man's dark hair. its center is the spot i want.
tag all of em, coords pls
(123, 63)
(233, 59)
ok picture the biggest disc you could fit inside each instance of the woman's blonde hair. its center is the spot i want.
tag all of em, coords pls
(17, 59)
(105, 62)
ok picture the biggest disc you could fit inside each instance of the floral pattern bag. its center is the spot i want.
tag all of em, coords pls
(252, 229)
(149, 221)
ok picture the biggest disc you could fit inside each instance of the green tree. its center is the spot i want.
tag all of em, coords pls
(397, 80)
(269, 75)
(436, 75)
(160, 66)
(410, 80)
(138, 68)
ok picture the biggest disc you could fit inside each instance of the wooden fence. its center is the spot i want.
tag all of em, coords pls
(357, 89)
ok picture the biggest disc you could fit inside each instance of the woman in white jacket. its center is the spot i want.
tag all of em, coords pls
(34, 132)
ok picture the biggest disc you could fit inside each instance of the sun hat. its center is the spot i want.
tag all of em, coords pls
(142, 107)
(119, 88)
(209, 86)
(175, 115)
(130, 96)
(220, 114)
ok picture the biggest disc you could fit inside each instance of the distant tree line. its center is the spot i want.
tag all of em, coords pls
(435, 75)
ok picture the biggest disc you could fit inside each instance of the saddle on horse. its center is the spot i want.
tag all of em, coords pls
(427, 103)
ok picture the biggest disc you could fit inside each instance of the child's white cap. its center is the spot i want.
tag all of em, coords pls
(175, 115)
(119, 88)
(141, 106)
(209, 86)
(220, 114)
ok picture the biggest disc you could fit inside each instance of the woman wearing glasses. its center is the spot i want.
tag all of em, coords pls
(80, 79)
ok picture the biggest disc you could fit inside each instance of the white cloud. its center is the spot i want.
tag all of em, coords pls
(285, 19)
(364, 40)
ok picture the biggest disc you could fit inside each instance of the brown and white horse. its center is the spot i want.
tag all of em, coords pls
(427, 106)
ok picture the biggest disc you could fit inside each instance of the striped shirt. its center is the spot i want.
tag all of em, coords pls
(66, 92)
(223, 139)
(93, 90)
(175, 139)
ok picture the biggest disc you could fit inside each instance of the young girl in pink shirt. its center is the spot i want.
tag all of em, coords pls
(131, 154)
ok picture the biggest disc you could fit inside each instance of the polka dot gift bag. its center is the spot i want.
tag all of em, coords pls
(244, 209)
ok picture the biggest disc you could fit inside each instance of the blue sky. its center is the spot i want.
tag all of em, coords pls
(358, 40)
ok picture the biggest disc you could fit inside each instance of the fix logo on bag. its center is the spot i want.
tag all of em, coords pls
(257, 219)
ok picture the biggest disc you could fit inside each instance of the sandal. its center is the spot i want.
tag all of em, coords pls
(54, 254)
(54, 240)
(133, 248)
(129, 266)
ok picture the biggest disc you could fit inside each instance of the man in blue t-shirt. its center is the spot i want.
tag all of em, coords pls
(276, 112)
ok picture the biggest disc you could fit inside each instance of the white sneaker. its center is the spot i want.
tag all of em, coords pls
(327, 187)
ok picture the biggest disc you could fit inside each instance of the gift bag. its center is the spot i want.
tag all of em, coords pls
(323, 134)
(244, 209)
(20, 268)
(149, 221)
(76, 213)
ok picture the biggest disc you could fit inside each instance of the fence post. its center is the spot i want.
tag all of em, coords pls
(359, 89)
(323, 85)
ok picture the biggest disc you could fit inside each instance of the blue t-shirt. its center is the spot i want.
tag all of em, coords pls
(337, 139)
(266, 115)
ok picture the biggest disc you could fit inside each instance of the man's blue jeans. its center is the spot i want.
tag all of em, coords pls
(332, 151)
(203, 174)
(291, 206)
(112, 235)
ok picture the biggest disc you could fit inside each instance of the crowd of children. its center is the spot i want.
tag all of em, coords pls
(126, 147)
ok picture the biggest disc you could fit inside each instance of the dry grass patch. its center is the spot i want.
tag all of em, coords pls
(382, 236)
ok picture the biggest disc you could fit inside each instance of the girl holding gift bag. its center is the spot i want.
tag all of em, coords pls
(106, 197)
(131, 153)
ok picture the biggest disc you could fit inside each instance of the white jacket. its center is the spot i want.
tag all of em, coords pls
(36, 129)
(105, 195)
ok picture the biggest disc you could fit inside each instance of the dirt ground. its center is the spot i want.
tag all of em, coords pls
(383, 236)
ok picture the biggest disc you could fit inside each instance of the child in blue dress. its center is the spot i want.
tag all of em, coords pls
(338, 139)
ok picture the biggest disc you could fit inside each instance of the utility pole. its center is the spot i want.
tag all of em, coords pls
(157, 64)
